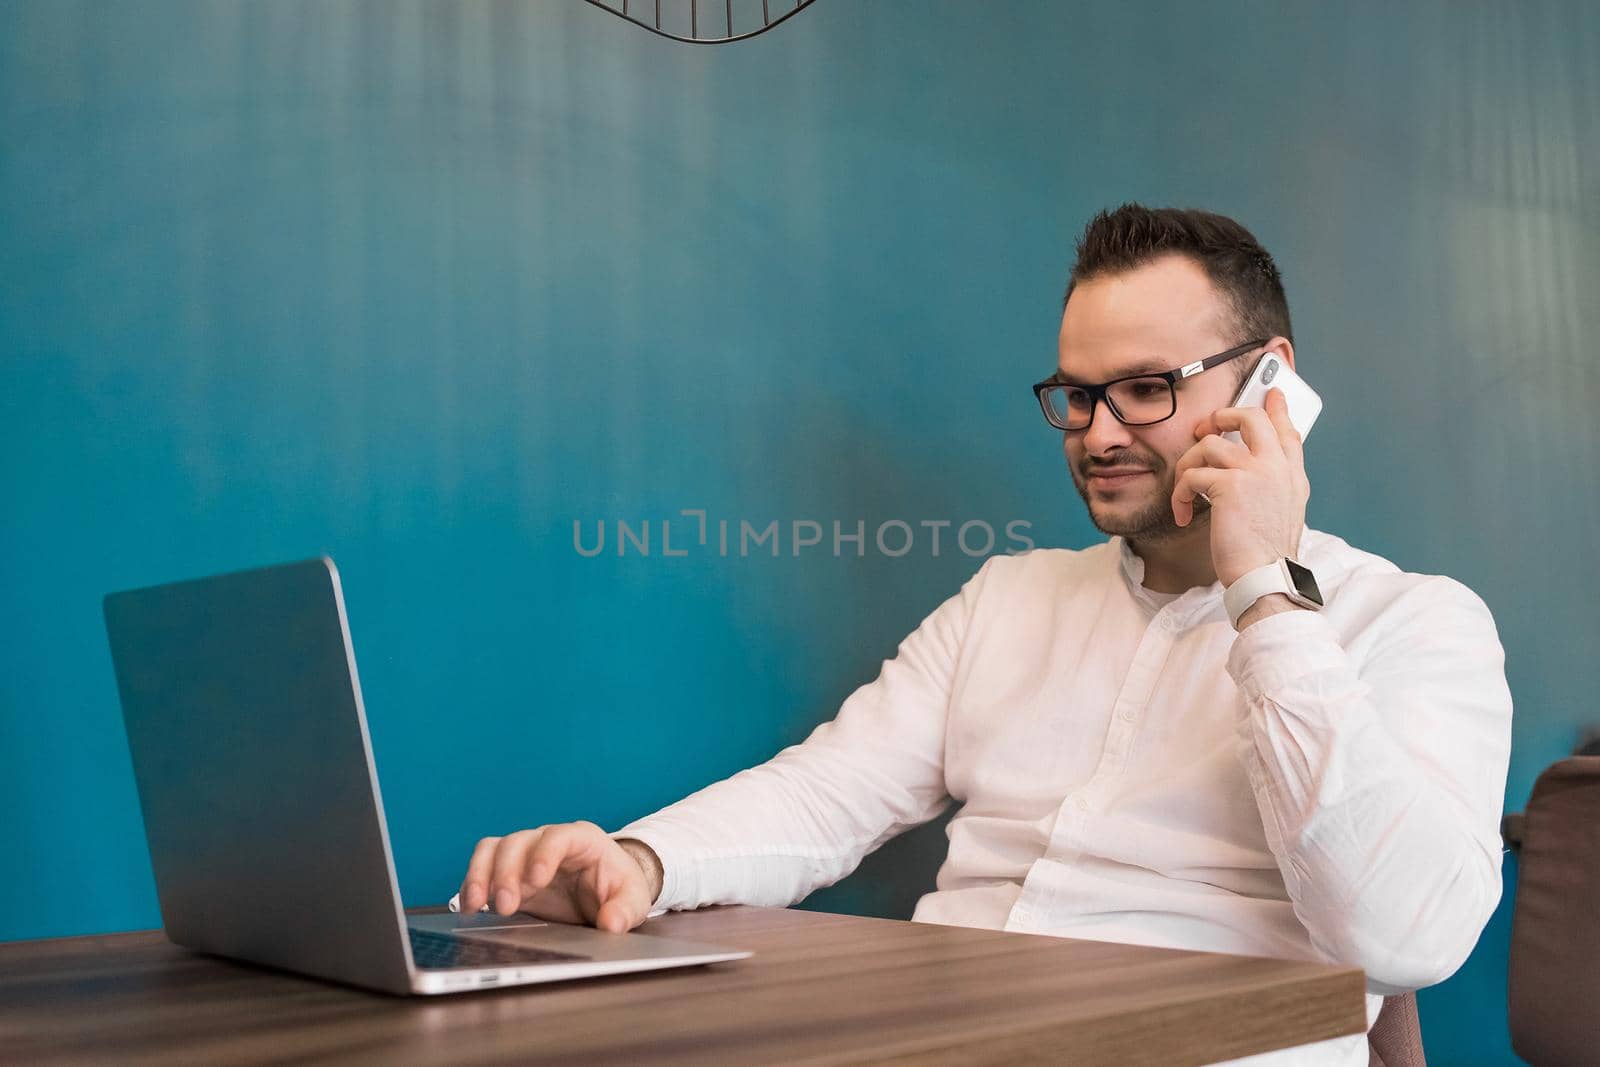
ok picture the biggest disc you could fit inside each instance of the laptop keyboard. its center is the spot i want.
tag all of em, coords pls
(431, 950)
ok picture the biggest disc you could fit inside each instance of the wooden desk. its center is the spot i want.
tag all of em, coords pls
(821, 989)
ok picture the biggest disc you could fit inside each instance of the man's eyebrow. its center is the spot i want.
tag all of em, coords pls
(1144, 366)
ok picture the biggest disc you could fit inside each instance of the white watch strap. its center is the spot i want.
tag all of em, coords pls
(1253, 585)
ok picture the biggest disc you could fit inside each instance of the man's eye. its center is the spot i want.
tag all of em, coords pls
(1148, 390)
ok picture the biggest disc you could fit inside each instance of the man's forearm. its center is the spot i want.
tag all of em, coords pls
(648, 862)
(1379, 781)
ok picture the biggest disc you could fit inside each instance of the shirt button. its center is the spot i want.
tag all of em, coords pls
(1080, 803)
(1127, 715)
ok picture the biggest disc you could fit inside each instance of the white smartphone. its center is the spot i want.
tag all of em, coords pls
(1271, 372)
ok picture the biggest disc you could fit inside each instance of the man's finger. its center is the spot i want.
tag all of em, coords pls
(1217, 451)
(1212, 450)
(570, 846)
(1197, 481)
(622, 896)
(505, 885)
(1254, 427)
(475, 886)
(618, 914)
(1277, 408)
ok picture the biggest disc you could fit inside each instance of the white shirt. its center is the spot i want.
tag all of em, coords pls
(1324, 786)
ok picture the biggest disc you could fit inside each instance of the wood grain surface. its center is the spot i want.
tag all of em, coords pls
(821, 989)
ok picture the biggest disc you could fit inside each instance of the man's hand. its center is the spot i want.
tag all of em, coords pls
(569, 872)
(1258, 490)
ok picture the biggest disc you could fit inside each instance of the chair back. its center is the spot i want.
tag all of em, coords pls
(1554, 973)
(1395, 1040)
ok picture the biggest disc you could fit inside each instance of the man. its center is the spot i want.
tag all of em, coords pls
(1135, 761)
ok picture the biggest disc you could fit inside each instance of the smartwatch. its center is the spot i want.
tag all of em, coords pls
(1281, 576)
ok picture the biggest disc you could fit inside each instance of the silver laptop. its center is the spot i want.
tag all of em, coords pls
(261, 801)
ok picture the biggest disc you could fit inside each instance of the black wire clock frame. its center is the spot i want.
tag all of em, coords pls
(625, 9)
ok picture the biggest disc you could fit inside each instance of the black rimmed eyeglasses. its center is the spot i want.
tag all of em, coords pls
(1137, 400)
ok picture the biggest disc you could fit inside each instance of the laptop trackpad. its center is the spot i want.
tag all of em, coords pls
(446, 923)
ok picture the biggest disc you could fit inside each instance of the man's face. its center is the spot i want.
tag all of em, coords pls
(1156, 317)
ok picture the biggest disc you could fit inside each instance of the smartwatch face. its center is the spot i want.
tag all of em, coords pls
(1305, 583)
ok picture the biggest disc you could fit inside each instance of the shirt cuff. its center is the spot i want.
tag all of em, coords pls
(1281, 648)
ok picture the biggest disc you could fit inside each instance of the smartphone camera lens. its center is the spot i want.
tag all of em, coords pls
(1270, 372)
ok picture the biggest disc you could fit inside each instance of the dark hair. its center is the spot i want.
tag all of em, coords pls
(1239, 268)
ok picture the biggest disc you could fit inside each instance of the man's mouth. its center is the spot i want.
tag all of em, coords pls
(1113, 477)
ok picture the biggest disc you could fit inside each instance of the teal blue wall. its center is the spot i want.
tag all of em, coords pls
(420, 284)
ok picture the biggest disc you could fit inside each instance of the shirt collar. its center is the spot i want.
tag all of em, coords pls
(1132, 568)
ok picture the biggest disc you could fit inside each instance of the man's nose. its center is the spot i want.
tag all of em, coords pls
(1104, 432)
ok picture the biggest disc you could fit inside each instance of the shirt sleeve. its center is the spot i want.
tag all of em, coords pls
(1381, 782)
(806, 818)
